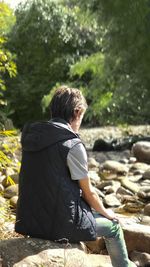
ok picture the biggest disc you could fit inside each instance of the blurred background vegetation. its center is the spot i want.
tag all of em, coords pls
(101, 47)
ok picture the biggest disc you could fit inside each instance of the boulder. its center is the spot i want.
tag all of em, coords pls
(146, 174)
(145, 220)
(107, 175)
(132, 159)
(137, 236)
(144, 194)
(141, 150)
(139, 168)
(111, 200)
(92, 163)
(140, 258)
(135, 178)
(98, 261)
(134, 207)
(118, 144)
(13, 201)
(102, 185)
(113, 189)
(13, 179)
(103, 145)
(130, 185)
(11, 191)
(147, 209)
(123, 191)
(93, 175)
(37, 252)
(115, 166)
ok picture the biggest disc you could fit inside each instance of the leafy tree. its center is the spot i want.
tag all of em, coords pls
(94, 87)
(123, 74)
(7, 65)
(7, 18)
(47, 38)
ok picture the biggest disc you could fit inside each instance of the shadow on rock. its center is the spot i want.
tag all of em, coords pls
(25, 252)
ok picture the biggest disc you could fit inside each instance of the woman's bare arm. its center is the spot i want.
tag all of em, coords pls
(92, 198)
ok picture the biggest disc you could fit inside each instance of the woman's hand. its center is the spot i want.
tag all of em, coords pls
(111, 215)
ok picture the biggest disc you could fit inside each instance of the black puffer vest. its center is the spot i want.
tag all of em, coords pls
(50, 205)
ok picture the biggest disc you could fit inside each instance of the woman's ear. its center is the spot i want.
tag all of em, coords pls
(77, 113)
(76, 121)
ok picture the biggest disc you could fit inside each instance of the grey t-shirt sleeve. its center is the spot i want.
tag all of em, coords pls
(77, 162)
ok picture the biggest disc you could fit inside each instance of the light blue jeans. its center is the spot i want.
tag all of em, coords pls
(112, 233)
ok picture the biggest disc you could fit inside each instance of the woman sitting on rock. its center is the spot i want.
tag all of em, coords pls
(55, 193)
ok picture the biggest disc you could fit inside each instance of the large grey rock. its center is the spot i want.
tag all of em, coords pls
(140, 258)
(132, 160)
(141, 150)
(115, 166)
(145, 220)
(104, 184)
(147, 209)
(92, 163)
(93, 175)
(11, 191)
(13, 179)
(28, 252)
(137, 235)
(130, 185)
(146, 174)
(113, 188)
(123, 191)
(139, 168)
(144, 193)
(133, 207)
(135, 178)
(13, 201)
(111, 200)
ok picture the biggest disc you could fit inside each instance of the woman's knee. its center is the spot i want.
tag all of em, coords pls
(108, 228)
(116, 230)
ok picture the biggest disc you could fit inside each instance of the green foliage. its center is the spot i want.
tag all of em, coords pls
(7, 65)
(7, 150)
(47, 38)
(47, 98)
(94, 64)
(125, 36)
(94, 87)
(102, 47)
(4, 160)
(7, 19)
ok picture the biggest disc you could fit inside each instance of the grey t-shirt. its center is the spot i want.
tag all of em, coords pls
(76, 159)
(77, 162)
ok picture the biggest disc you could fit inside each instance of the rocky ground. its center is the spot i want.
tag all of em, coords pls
(89, 135)
(121, 180)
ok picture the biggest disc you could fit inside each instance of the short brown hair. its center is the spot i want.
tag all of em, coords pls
(65, 102)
